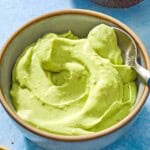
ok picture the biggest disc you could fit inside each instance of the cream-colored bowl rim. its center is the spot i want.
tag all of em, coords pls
(3, 148)
(104, 132)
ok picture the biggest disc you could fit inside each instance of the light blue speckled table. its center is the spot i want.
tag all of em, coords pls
(13, 13)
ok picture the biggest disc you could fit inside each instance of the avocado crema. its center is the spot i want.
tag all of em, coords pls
(70, 86)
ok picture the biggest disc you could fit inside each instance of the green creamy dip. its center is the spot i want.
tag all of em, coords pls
(71, 86)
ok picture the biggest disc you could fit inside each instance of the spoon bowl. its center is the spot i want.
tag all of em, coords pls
(129, 53)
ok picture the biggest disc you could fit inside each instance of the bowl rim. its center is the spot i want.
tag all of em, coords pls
(3, 147)
(98, 134)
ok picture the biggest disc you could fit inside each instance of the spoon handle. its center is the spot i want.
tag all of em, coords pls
(144, 73)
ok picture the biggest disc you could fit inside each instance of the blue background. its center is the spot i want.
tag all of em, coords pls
(14, 13)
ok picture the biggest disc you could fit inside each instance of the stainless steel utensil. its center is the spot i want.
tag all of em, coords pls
(129, 51)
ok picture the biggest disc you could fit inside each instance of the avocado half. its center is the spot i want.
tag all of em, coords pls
(117, 3)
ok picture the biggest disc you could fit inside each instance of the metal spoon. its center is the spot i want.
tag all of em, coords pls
(129, 51)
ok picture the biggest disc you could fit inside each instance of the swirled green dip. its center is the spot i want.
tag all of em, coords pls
(71, 86)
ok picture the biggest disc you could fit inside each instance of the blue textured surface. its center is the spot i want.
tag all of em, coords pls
(13, 13)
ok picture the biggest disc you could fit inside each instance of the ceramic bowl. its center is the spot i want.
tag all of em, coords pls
(117, 3)
(80, 22)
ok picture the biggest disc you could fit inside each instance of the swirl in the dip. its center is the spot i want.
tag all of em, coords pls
(71, 86)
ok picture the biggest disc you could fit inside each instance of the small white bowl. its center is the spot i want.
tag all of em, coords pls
(80, 22)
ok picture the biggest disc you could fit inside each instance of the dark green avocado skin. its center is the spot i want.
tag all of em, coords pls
(117, 3)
